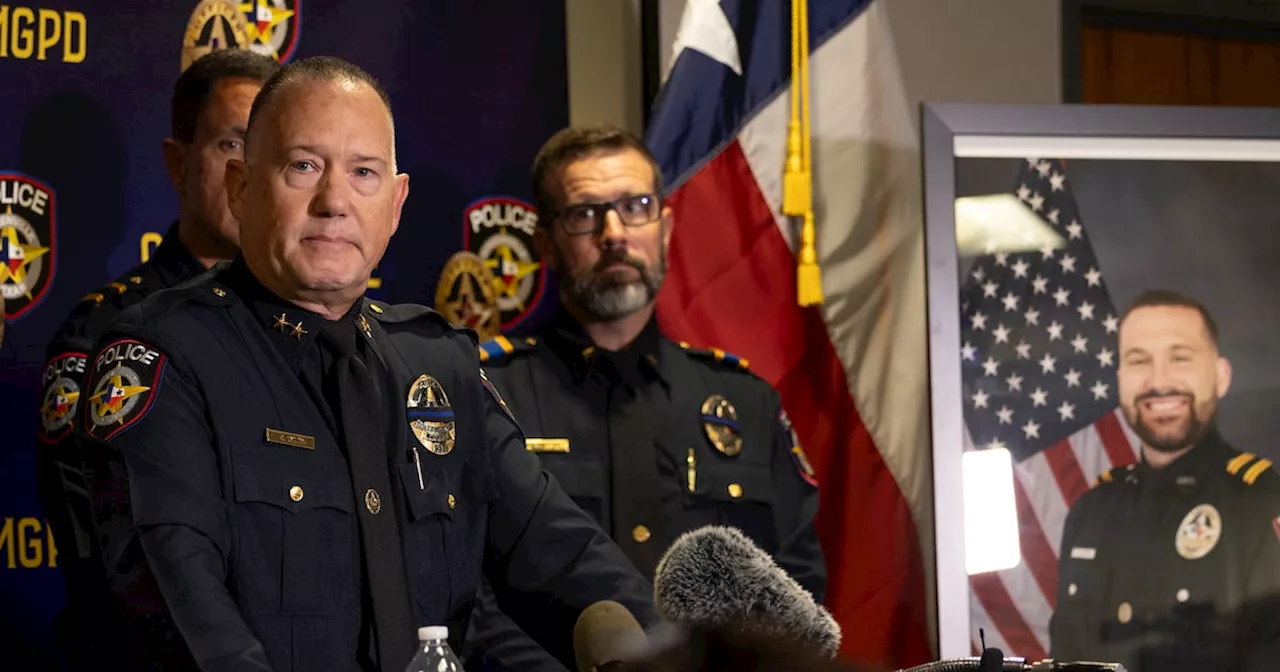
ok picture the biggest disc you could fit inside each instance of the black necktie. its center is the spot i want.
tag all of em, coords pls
(635, 509)
(359, 412)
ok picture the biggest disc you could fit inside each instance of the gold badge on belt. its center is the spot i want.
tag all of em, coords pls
(720, 422)
(430, 415)
(465, 295)
(1199, 532)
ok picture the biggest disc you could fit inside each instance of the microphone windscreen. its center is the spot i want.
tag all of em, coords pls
(606, 632)
(715, 576)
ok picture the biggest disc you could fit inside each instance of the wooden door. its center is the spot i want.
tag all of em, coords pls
(1165, 67)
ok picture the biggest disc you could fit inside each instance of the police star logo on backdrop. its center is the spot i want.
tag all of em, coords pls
(267, 27)
(500, 230)
(123, 383)
(430, 416)
(465, 295)
(27, 251)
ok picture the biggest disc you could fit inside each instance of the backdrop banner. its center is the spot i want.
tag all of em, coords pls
(476, 89)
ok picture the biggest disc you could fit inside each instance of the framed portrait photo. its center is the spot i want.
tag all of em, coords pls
(1103, 312)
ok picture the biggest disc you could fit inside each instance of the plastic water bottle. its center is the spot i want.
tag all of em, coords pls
(434, 654)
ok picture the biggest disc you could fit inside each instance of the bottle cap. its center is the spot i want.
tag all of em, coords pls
(433, 632)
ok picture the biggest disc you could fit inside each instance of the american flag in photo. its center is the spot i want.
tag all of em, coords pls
(1038, 359)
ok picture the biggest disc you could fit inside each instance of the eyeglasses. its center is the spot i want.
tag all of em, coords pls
(584, 218)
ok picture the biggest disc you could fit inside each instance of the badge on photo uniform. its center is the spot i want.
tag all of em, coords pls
(465, 295)
(720, 422)
(430, 415)
(1199, 532)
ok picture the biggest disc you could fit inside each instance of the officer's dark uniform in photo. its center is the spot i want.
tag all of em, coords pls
(230, 410)
(653, 441)
(1176, 569)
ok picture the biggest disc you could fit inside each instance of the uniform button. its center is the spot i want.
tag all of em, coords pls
(295, 493)
(640, 534)
(1183, 595)
(372, 501)
(1125, 613)
(1071, 589)
(453, 502)
(735, 490)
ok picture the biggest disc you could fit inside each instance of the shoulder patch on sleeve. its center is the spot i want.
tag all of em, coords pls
(122, 384)
(797, 451)
(61, 381)
(499, 348)
(728, 359)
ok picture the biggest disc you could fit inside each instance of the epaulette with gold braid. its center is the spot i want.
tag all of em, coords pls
(716, 355)
(1248, 467)
(499, 348)
(115, 288)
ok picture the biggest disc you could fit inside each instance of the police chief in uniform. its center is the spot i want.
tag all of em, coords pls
(210, 109)
(1173, 564)
(653, 438)
(310, 475)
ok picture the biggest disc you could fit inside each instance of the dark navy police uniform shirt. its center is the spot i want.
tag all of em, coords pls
(83, 629)
(221, 481)
(1174, 569)
(654, 441)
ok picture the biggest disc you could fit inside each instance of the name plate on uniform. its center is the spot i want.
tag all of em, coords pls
(547, 445)
(291, 439)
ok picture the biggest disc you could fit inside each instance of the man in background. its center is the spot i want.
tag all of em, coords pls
(1173, 564)
(210, 110)
(651, 437)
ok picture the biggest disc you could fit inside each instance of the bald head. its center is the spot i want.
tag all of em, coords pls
(314, 70)
(317, 196)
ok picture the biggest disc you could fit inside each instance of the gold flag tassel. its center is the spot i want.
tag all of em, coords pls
(797, 182)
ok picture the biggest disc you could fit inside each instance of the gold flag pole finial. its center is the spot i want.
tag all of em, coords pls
(797, 182)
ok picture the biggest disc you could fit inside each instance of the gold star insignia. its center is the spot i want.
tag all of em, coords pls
(508, 270)
(298, 332)
(16, 257)
(281, 323)
(262, 21)
(364, 326)
(59, 404)
(112, 396)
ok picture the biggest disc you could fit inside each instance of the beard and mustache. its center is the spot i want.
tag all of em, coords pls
(1170, 439)
(603, 294)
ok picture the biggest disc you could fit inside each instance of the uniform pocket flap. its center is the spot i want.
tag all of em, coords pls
(737, 483)
(294, 480)
(435, 494)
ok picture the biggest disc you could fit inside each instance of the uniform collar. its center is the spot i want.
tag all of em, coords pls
(566, 337)
(290, 328)
(173, 261)
(1210, 454)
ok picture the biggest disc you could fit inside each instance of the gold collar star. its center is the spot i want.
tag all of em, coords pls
(298, 332)
(281, 322)
(364, 326)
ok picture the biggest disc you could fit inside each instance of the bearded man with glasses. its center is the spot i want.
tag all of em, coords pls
(652, 438)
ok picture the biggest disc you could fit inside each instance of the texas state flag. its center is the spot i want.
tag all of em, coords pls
(852, 372)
